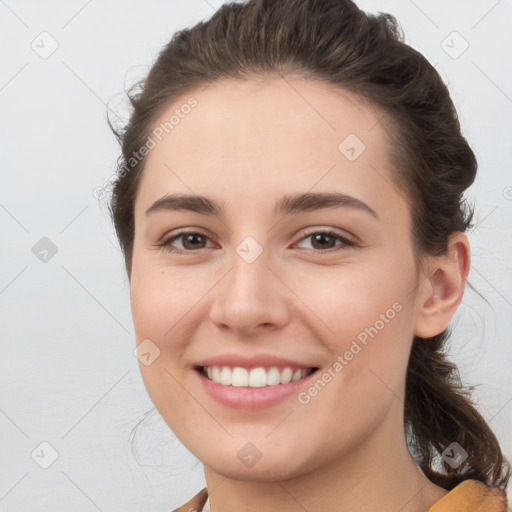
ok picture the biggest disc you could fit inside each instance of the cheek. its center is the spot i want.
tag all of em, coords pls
(161, 299)
(165, 305)
(364, 318)
(347, 302)
(158, 313)
(369, 350)
(160, 304)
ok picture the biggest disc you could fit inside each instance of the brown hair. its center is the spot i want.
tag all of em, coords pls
(333, 41)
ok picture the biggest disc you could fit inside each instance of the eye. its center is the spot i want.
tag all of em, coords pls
(326, 241)
(191, 241)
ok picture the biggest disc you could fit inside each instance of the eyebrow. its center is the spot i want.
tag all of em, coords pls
(293, 203)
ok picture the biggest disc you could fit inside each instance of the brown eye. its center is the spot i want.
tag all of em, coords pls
(326, 241)
(190, 241)
(323, 240)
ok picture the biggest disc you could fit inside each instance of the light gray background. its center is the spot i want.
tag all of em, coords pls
(68, 375)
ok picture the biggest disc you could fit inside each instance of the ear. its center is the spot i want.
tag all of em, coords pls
(442, 287)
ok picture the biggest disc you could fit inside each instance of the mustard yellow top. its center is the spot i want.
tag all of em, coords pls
(468, 496)
(471, 496)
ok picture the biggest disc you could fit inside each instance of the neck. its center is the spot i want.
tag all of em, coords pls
(379, 476)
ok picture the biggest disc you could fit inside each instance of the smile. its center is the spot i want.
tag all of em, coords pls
(255, 377)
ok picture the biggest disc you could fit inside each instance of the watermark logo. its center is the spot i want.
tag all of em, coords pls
(249, 455)
(146, 352)
(249, 249)
(454, 45)
(454, 455)
(44, 455)
(351, 147)
(45, 45)
(44, 250)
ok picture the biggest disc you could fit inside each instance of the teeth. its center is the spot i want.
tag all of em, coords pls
(239, 377)
(296, 375)
(286, 375)
(256, 377)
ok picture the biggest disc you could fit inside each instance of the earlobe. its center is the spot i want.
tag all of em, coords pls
(443, 287)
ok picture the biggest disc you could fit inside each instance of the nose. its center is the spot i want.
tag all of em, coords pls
(251, 297)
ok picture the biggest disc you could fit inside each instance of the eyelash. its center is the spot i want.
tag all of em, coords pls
(166, 244)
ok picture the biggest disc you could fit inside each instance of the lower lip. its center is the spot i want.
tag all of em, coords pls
(252, 398)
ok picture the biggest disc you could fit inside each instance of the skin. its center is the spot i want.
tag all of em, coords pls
(247, 143)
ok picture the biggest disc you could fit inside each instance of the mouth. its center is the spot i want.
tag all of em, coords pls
(258, 377)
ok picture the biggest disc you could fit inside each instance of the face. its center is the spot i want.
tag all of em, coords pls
(257, 279)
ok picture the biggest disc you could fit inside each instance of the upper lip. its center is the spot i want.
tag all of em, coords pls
(252, 361)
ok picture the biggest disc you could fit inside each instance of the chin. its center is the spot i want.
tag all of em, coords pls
(248, 465)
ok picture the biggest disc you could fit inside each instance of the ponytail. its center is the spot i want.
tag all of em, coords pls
(438, 412)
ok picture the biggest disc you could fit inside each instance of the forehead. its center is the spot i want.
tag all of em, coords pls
(271, 110)
(267, 136)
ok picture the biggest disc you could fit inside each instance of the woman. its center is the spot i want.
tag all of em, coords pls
(289, 204)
